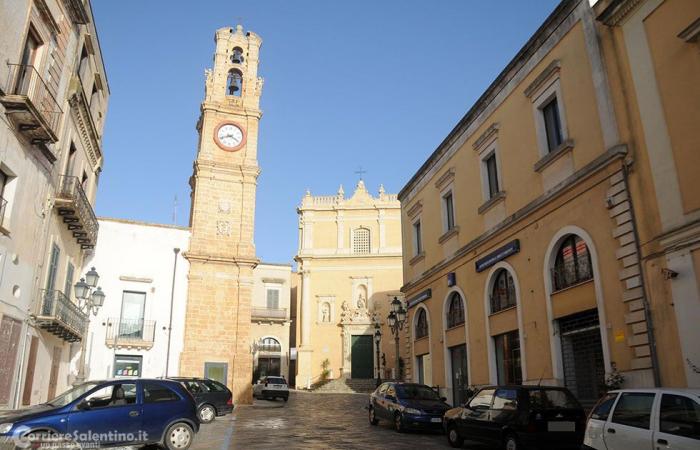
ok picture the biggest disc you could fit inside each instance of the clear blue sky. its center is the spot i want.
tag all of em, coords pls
(368, 83)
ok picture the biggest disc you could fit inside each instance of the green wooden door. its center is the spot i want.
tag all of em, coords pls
(362, 358)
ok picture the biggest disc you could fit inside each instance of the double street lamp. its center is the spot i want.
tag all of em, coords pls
(377, 340)
(90, 298)
(396, 321)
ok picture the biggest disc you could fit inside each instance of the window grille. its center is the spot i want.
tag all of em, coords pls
(455, 311)
(503, 291)
(360, 243)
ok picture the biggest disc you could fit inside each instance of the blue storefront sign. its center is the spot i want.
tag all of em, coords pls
(497, 255)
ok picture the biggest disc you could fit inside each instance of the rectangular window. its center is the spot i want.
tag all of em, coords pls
(492, 175)
(634, 409)
(417, 241)
(508, 358)
(216, 371)
(68, 287)
(273, 298)
(4, 179)
(53, 268)
(131, 319)
(448, 206)
(552, 124)
(127, 365)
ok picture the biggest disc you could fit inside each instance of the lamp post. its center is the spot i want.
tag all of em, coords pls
(377, 340)
(90, 299)
(396, 321)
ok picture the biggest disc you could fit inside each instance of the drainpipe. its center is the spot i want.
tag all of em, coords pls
(647, 308)
(170, 322)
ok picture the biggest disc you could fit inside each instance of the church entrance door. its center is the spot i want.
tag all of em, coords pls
(361, 356)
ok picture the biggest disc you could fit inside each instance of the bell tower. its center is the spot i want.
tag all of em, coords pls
(222, 251)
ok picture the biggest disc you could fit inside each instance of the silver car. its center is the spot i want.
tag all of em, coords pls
(271, 388)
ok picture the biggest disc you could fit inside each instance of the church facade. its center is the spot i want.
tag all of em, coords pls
(349, 263)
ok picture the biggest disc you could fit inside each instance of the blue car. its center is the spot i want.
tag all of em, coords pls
(407, 405)
(108, 413)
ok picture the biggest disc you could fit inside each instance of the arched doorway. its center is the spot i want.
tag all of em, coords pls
(269, 358)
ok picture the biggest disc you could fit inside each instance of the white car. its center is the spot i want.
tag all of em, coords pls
(271, 387)
(645, 419)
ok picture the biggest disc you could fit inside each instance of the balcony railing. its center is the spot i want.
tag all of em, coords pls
(58, 315)
(130, 333)
(31, 106)
(72, 204)
(571, 273)
(268, 313)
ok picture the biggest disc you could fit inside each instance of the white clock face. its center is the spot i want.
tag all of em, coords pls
(230, 136)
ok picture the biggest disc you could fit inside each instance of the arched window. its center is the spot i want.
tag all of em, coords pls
(234, 83)
(270, 345)
(421, 324)
(455, 311)
(503, 291)
(572, 264)
(360, 241)
(237, 55)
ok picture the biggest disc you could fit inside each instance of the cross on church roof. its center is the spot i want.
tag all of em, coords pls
(360, 171)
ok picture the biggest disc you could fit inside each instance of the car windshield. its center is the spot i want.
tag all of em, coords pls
(72, 394)
(552, 399)
(415, 392)
(276, 380)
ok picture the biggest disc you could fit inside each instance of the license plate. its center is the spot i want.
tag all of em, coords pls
(561, 426)
(436, 419)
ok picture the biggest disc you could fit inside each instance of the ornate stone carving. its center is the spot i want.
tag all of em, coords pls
(223, 228)
(224, 207)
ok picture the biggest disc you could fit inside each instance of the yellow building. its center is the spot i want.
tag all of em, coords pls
(349, 264)
(531, 234)
(217, 341)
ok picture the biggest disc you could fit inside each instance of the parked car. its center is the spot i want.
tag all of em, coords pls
(517, 417)
(271, 388)
(212, 398)
(407, 405)
(110, 413)
(645, 418)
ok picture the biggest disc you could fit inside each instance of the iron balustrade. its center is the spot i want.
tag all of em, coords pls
(269, 313)
(61, 316)
(572, 272)
(77, 211)
(130, 332)
(24, 80)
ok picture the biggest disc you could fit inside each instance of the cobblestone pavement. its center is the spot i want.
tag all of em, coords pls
(309, 421)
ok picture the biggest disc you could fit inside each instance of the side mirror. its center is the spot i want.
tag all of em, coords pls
(84, 405)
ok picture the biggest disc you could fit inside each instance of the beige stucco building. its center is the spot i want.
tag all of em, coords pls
(349, 264)
(53, 101)
(553, 235)
(222, 252)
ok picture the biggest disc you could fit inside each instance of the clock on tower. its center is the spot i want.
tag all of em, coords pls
(222, 252)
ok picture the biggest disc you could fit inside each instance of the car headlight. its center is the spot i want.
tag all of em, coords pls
(5, 427)
(413, 411)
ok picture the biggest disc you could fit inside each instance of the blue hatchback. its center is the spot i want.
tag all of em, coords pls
(109, 413)
(407, 405)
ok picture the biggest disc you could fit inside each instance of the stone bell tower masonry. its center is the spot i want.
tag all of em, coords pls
(222, 251)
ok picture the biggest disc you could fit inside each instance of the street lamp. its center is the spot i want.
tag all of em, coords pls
(377, 340)
(90, 300)
(396, 321)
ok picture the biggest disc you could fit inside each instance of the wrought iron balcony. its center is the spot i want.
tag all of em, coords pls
(58, 315)
(571, 273)
(130, 333)
(31, 107)
(268, 314)
(72, 204)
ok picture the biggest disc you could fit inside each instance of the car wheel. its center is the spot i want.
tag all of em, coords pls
(206, 413)
(179, 436)
(453, 437)
(285, 398)
(510, 443)
(398, 423)
(372, 417)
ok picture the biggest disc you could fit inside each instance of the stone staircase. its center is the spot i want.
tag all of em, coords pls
(344, 385)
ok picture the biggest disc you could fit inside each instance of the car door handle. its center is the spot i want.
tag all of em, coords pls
(662, 441)
(133, 413)
(611, 430)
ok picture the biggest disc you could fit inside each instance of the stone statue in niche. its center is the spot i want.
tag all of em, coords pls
(325, 313)
(361, 303)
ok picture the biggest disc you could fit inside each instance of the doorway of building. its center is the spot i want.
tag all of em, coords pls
(10, 330)
(460, 382)
(55, 366)
(269, 366)
(361, 357)
(582, 356)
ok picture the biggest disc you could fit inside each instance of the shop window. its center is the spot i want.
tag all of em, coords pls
(503, 291)
(421, 324)
(572, 264)
(455, 311)
(508, 358)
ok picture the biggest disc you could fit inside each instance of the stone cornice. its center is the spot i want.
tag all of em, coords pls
(616, 153)
(617, 11)
(414, 210)
(80, 111)
(544, 76)
(486, 136)
(233, 260)
(445, 178)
